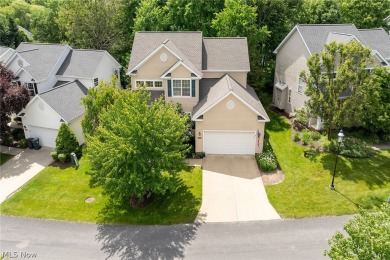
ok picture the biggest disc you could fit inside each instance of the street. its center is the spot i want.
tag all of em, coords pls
(23, 238)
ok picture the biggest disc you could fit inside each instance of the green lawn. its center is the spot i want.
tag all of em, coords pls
(305, 191)
(5, 157)
(60, 194)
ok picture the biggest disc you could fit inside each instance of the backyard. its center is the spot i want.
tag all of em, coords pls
(305, 191)
(60, 193)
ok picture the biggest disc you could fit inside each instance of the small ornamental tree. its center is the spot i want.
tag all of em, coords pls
(137, 149)
(368, 237)
(12, 99)
(66, 142)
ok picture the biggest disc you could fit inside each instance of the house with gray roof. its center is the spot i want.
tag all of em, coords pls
(305, 40)
(208, 77)
(57, 77)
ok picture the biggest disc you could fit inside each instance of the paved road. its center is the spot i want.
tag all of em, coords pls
(270, 239)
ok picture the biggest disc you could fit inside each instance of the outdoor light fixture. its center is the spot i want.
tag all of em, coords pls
(339, 141)
(199, 134)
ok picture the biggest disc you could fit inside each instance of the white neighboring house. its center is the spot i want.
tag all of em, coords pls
(306, 39)
(57, 77)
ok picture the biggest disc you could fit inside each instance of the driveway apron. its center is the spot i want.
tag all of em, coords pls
(233, 190)
(21, 168)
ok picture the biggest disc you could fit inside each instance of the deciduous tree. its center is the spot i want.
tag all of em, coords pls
(137, 148)
(368, 237)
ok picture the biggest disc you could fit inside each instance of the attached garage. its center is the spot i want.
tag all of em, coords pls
(227, 142)
(47, 137)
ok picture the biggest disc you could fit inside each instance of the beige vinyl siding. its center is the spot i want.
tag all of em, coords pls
(240, 118)
(181, 72)
(290, 61)
(154, 67)
(240, 77)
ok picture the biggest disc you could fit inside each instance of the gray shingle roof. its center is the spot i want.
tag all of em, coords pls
(3, 49)
(225, 54)
(81, 63)
(66, 99)
(377, 39)
(41, 56)
(189, 43)
(212, 91)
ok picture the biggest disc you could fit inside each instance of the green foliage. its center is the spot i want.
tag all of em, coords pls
(267, 161)
(62, 157)
(368, 237)
(306, 136)
(23, 143)
(66, 142)
(315, 136)
(54, 155)
(150, 16)
(352, 79)
(137, 148)
(351, 147)
(297, 138)
(97, 100)
(302, 116)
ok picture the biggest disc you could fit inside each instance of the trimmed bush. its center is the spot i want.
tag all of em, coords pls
(351, 147)
(62, 157)
(66, 142)
(297, 138)
(306, 136)
(315, 136)
(267, 161)
(23, 143)
(54, 155)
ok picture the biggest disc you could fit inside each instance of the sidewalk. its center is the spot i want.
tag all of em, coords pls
(21, 168)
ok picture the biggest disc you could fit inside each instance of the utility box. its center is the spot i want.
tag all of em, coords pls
(74, 159)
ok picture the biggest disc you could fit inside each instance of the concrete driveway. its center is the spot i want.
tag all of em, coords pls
(233, 190)
(21, 168)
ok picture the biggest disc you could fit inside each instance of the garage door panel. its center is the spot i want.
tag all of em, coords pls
(47, 136)
(220, 142)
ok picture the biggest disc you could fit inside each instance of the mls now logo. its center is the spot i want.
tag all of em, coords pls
(16, 254)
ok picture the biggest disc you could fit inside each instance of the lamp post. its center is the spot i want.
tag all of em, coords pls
(339, 140)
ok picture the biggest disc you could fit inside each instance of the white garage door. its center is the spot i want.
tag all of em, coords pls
(219, 142)
(47, 136)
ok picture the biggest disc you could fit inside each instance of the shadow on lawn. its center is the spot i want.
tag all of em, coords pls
(151, 242)
(278, 122)
(374, 171)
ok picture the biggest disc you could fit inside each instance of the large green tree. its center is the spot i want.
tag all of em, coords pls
(340, 88)
(137, 148)
(368, 237)
(150, 16)
(240, 19)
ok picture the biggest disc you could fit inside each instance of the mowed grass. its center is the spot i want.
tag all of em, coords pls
(5, 157)
(57, 193)
(305, 191)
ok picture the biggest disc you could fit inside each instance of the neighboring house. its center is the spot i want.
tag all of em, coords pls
(57, 77)
(208, 77)
(305, 40)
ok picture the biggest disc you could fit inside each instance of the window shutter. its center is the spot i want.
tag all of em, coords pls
(193, 88)
(169, 88)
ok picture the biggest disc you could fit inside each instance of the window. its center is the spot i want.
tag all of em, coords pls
(149, 83)
(301, 85)
(96, 81)
(181, 88)
(289, 96)
(32, 88)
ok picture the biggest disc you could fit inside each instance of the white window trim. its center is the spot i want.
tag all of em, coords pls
(181, 87)
(154, 83)
(303, 85)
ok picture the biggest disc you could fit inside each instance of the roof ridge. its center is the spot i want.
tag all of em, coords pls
(44, 43)
(60, 86)
(89, 50)
(328, 24)
(371, 29)
(223, 38)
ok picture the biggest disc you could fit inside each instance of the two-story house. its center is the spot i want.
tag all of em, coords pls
(208, 77)
(306, 39)
(57, 77)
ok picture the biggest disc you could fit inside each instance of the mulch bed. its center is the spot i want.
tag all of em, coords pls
(272, 178)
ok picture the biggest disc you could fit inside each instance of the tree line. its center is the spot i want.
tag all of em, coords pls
(111, 24)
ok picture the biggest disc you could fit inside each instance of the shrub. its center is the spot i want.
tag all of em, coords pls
(351, 147)
(62, 157)
(267, 161)
(297, 138)
(66, 142)
(54, 155)
(23, 143)
(302, 116)
(311, 144)
(306, 136)
(315, 136)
